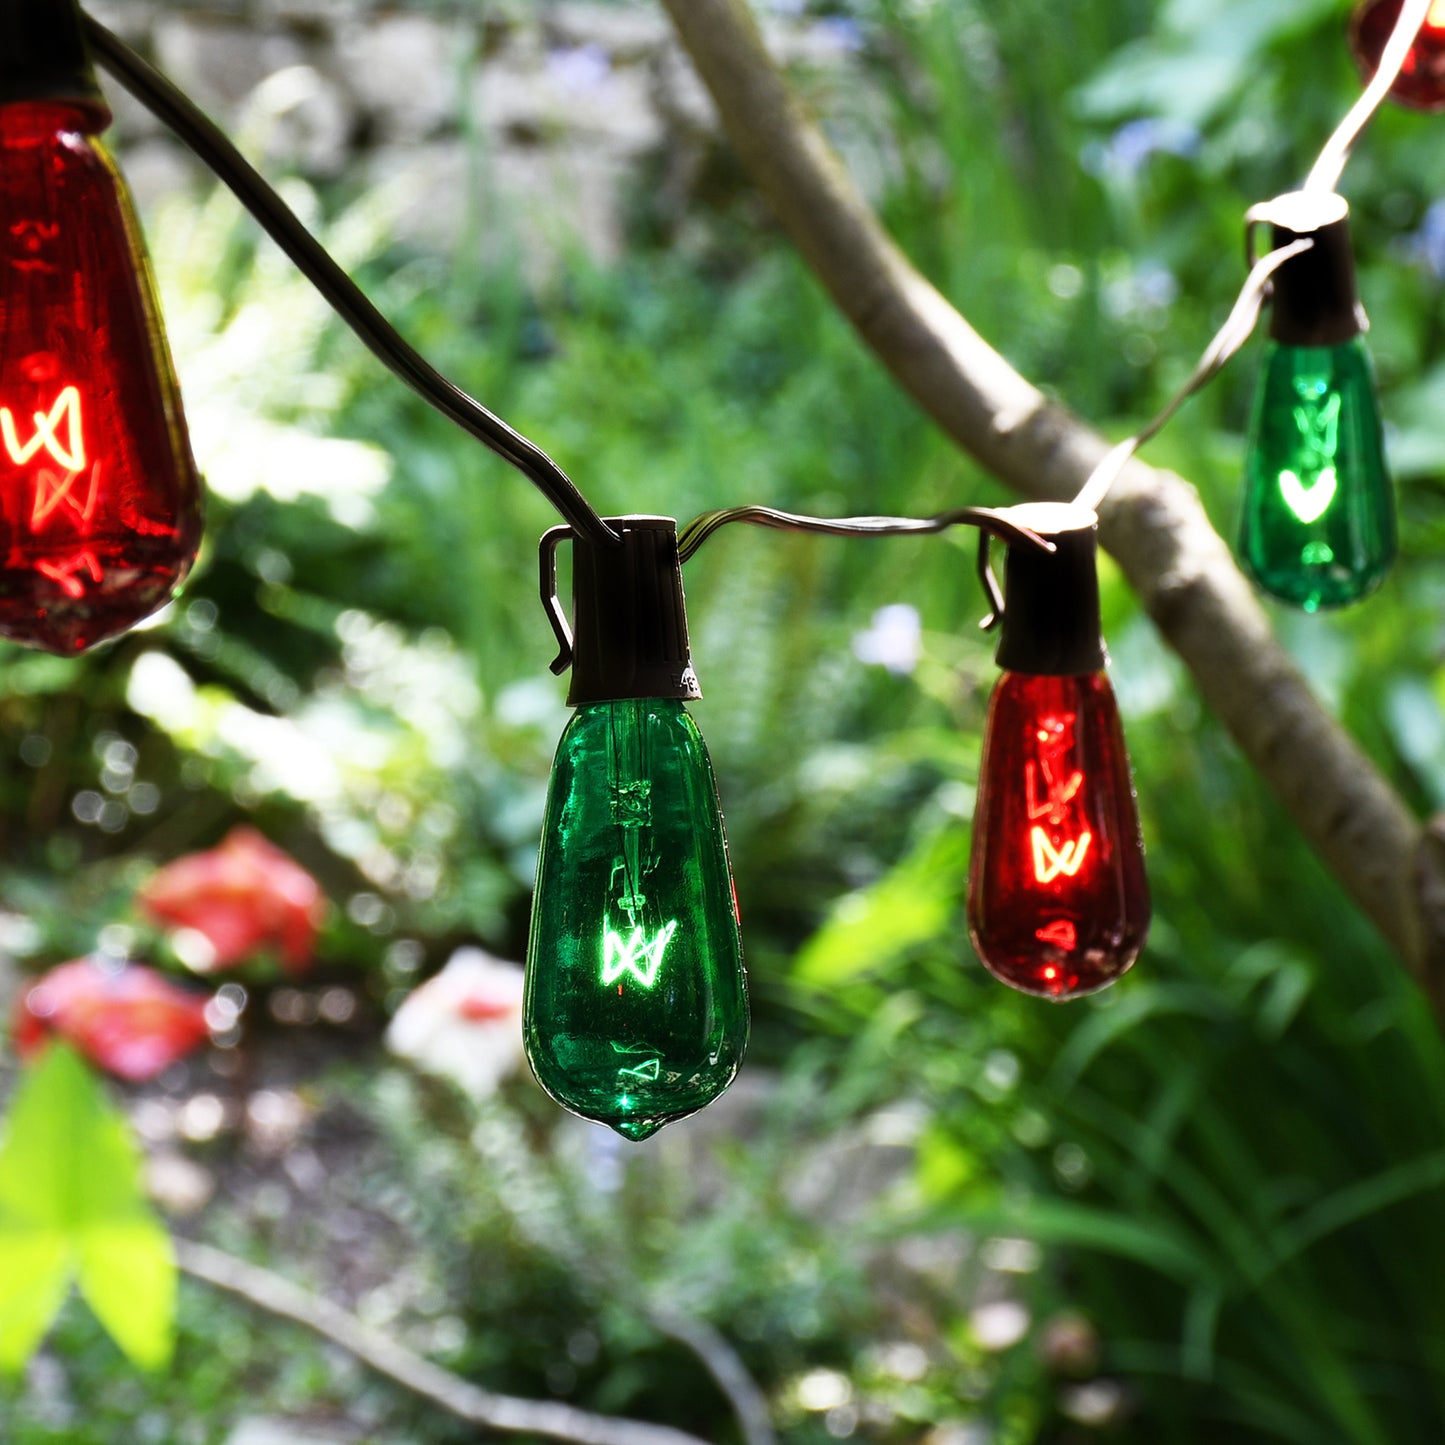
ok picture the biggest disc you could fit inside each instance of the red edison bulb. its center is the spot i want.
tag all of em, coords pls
(100, 505)
(1058, 899)
(1421, 82)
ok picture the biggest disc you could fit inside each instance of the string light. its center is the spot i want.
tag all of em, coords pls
(636, 1004)
(1317, 520)
(1058, 899)
(100, 512)
(635, 1011)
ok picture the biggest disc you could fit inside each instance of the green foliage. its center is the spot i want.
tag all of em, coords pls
(1231, 1162)
(72, 1209)
(871, 929)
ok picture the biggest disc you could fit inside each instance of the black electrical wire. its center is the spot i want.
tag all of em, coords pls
(210, 143)
(987, 519)
(990, 521)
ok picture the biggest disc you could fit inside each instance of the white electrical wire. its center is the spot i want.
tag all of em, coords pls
(1325, 175)
(1227, 340)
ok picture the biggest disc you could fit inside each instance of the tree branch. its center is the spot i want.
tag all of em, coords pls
(1153, 523)
(457, 1396)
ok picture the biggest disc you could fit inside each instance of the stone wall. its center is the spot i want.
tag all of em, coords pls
(549, 116)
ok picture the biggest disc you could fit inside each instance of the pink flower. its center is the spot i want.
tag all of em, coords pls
(131, 1020)
(465, 1024)
(242, 898)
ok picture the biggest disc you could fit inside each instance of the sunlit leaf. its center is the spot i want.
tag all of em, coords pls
(876, 926)
(35, 1267)
(945, 1167)
(72, 1206)
(128, 1277)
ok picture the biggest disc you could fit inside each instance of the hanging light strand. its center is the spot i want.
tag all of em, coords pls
(988, 519)
(215, 149)
(1237, 329)
(172, 106)
(1324, 176)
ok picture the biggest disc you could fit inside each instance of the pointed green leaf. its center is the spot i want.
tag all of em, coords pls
(128, 1277)
(35, 1269)
(71, 1201)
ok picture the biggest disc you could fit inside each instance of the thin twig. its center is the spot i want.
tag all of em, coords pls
(725, 1366)
(459, 1397)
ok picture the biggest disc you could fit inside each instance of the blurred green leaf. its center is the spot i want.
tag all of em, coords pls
(1201, 57)
(33, 1280)
(872, 928)
(1368, 1196)
(1141, 1005)
(128, 1277)
(1152, 1242)
(72, 1207)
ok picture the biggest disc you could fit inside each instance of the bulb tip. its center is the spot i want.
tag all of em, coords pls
(637, 1129)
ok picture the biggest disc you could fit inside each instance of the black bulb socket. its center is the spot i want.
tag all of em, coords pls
(1316, 298)
(1051, 625)
(44, 57)
(629, 619)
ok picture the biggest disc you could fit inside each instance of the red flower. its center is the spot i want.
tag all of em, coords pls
(242, 898)
(130, 1020)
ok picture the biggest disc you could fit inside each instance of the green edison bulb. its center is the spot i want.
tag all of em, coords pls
(1318, 524)
(636, 1009)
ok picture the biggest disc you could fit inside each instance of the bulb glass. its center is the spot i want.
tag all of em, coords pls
(1058, 900)
(1317, 524)
(636, 1004)
(100, 506)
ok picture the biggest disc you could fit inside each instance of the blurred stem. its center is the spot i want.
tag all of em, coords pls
(47, 798)
(725, 1366)
(459, 1397)
(1153, 522)
(594, 1257)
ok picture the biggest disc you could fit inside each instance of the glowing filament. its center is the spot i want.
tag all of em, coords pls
(1309, 503)
(1309, 491)
(1050, 787)
(52, 491)
(1067, 859)
(63, 573)
(31, 240)
(1060, 932)
(1056, 797)
(637, 956)
(69, 454)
